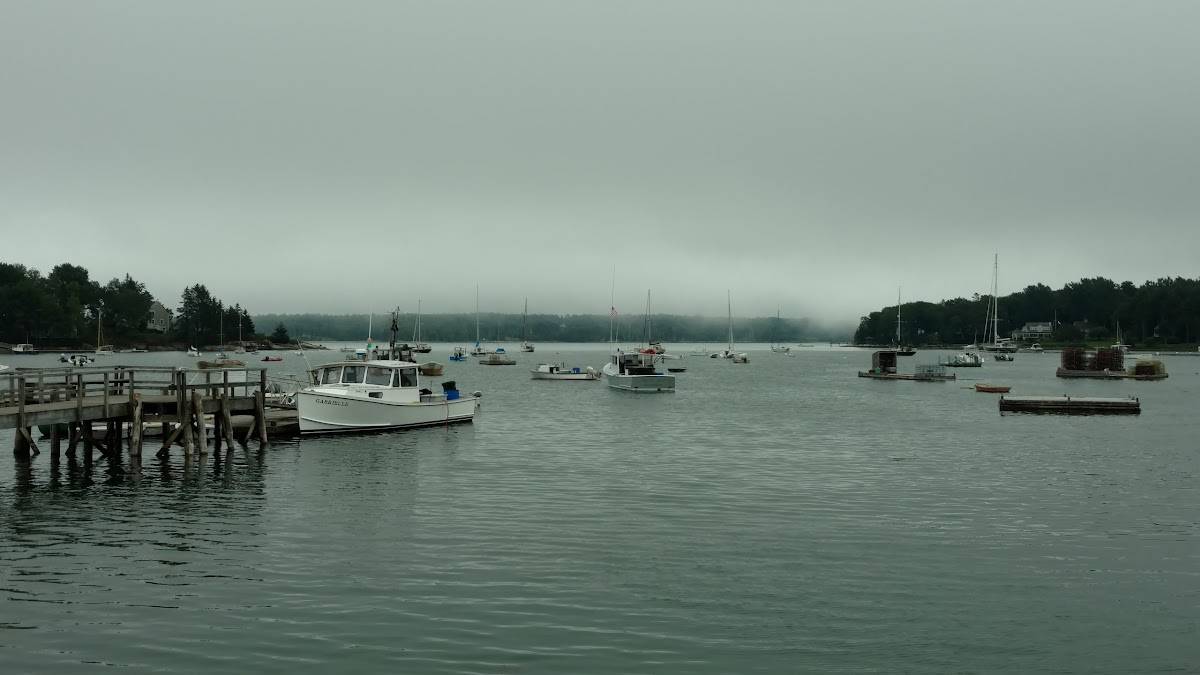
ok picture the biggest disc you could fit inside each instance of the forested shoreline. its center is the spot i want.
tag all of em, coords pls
(1161, 312)
(61, 309)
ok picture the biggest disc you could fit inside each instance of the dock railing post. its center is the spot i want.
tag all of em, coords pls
(20, 402)
(260, 407)
(106, 395)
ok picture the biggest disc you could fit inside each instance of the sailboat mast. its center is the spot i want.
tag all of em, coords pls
(99, 323)
(648, 317)
(476, 315)
(995, 298)
(898, 341)
(612, 310)
(524, 320)
(729, 311)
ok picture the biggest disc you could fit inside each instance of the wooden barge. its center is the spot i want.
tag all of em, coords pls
(1070, 405)
(883, 367)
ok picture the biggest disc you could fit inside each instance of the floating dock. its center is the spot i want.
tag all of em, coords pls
(1070, 405)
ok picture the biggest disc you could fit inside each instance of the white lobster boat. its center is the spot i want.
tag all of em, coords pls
(635, 371)
(560, 371)
(374, 395)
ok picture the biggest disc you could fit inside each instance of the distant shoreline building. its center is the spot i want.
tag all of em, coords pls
(1034, 330)
(160, 317)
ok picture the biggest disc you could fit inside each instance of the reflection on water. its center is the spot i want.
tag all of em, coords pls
(780, 516)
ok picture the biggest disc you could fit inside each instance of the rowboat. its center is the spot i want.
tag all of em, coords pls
(991, 389)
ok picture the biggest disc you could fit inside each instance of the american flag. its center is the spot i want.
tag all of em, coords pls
(613, 313)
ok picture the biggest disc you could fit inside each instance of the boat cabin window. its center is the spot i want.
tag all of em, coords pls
(331, 375)
(352, 374)
(379, 376)
(405, 377)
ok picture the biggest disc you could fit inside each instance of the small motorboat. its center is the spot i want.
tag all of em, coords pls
(1002, 356)
(193, 352)
(497, 358)
(458, 355)
(560, 371)
(965, 360)
(991, 389)
(676, 369)
(431, 369)
(221, 363)
(272, 358)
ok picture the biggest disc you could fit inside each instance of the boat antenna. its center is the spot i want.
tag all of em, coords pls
(612, 310)
(395, 329)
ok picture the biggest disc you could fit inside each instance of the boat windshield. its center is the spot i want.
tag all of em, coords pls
(331, 375)
(405, 377)
(378, 375)
(352, 374)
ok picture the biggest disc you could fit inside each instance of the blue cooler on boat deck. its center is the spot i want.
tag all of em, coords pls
(450, 387)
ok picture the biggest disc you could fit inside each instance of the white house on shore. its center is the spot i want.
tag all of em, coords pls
(1034, 330)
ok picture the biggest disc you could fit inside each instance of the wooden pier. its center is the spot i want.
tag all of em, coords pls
(70, 402)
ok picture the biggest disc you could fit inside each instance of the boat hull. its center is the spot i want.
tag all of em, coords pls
(563, 376)
(330, 413)
(648, 384)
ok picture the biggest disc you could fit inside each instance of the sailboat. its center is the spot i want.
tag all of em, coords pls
(101, 349)
(222, 360)
(526, 345)
(418, 346)
(478, 349)
(997, 344)
(1120, 345)
(241, 348)
(777, 348)
(729, 352)
(901, 350)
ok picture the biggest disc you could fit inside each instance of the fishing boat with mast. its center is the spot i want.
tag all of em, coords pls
(635, 371)
(378, 394)
(526, 345)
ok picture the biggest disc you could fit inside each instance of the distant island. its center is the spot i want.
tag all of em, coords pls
(1158, 314)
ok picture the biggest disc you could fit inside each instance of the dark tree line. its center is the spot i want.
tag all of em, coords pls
(1165, 311)
(202, 319)
(64, 307)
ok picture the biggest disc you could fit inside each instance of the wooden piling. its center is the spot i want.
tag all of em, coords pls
(89, 441)
(21, 446)
(227, 421)
(185, 427)
(201, 425)
(135, 430)
(71, 445)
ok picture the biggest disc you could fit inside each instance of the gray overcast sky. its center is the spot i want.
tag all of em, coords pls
(346, 156)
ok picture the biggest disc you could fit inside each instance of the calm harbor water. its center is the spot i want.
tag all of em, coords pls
(780, 516)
